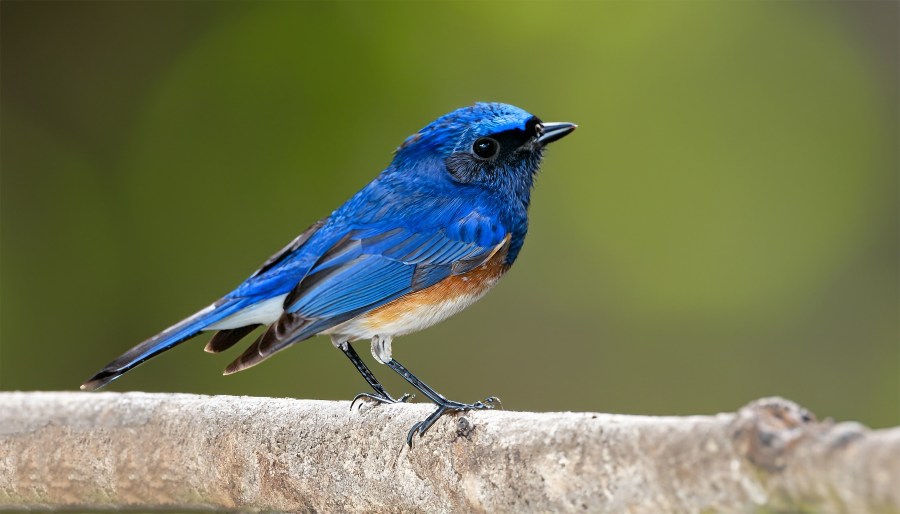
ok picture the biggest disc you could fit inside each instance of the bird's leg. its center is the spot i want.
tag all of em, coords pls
(444, 405)
(381, 395)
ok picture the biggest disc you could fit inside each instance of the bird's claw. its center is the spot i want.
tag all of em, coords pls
(379, 398)
(487, 403)
(422, 426)
(417, 428)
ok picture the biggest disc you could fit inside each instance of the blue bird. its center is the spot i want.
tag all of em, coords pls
(424, 240)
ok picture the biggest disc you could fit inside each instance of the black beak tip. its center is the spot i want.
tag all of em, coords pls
(550, 132)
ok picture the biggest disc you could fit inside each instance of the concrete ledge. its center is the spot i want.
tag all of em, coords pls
(62, 450)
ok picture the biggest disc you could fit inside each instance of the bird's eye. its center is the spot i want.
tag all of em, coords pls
(486, 147)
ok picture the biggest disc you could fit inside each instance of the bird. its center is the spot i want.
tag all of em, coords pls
(430, 235)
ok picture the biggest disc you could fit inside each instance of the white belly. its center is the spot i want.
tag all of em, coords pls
(414, 318)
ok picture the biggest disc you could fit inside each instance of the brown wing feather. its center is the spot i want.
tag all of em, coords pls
(225, 339)
(249, 358)
(287, 325)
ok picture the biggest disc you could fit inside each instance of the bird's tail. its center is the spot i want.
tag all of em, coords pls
(168, 338)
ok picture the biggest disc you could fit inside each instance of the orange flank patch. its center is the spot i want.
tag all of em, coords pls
(441, 300)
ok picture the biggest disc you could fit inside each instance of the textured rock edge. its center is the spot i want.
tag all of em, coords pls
(102, 451)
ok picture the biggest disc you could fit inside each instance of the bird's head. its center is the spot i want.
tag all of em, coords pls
(494, 145)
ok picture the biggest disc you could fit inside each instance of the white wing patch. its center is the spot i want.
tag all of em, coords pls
(265, 312)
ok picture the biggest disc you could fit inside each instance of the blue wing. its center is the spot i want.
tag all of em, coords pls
(374, 265)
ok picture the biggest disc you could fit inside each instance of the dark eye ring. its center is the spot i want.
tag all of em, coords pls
(486, 147)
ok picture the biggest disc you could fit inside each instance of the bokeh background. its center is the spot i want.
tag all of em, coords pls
(723, 225)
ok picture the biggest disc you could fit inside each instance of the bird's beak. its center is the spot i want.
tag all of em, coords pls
(550, 132)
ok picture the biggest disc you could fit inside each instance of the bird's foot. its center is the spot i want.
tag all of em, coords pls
(381, 398)
(444, 407)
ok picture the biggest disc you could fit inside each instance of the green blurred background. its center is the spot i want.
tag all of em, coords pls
(723, 225)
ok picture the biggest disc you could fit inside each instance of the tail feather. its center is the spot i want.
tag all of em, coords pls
(225, 339)
(289, 329)
(168, 338)
(251, 357)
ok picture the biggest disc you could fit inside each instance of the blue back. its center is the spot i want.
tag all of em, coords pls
(406, 230)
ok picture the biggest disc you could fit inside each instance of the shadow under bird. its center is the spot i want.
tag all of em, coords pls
(424, 240)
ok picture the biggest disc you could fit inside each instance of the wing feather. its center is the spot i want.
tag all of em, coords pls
(288, 250)
(369, 268)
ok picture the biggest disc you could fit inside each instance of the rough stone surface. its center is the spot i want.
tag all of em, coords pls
(185, 452)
